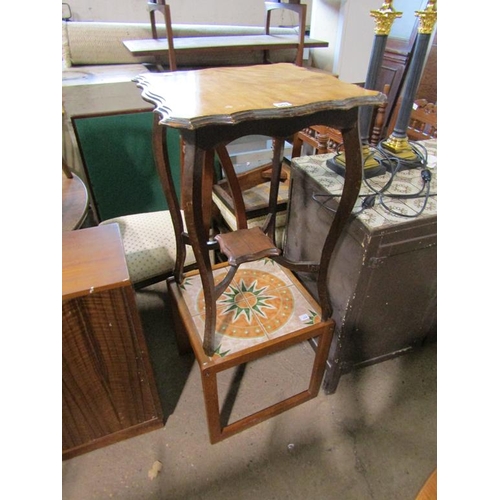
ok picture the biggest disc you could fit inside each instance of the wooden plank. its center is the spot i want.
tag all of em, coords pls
(92, 261)
(220, 43)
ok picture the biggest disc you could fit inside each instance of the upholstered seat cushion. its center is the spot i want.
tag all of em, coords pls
(149, 244)
(256, 196)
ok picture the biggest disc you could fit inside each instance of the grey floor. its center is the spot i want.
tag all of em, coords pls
(374, 438)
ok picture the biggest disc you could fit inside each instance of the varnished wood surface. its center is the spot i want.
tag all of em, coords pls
(75, 202)
(229, 95)
(246, 245)
(231, 43)
(109, 392)
(108, 388)
(213, 107)
(429, 489)
(92, 260)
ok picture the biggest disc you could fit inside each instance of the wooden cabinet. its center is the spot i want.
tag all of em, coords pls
(108, 388)
(383, 275)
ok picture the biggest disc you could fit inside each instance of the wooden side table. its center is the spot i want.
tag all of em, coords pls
(275, 100)
(109, 393)
(211, 108)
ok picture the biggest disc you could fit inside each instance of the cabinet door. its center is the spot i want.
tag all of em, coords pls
(393, 70)
(108, 390)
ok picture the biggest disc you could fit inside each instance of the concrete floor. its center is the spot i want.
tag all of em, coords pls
(375, 438)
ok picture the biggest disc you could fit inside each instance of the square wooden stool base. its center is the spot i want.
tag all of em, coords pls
(264, 310)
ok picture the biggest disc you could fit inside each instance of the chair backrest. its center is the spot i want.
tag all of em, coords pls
(298, 8)
(325, 139)
(160, 6)
(423, 120)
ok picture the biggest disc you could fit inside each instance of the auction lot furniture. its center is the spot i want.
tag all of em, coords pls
(383, 275)
(108, 389)
(168, 46)
(252, 305)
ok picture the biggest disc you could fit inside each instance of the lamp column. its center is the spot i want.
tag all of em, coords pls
(372, 166)
(384, 18)
(397, 143)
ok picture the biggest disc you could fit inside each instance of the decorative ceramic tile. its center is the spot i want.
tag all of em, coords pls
(260, 303)
(386, 209)
(294, 313)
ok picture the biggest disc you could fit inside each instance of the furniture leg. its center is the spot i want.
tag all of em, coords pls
(218, 431)
(320, 360)
(270, 224)
(165, 173)
(211, 397)
(353, 179)
(195, 185)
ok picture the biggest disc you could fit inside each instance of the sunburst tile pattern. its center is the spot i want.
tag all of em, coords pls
(262, 302)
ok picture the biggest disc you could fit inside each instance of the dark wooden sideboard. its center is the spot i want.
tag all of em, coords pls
(383, 274)
(108, 388)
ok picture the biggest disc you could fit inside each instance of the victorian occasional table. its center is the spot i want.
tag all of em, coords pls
(211, 108)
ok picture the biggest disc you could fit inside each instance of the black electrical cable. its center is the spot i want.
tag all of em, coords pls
(395, 165)
(399, 164)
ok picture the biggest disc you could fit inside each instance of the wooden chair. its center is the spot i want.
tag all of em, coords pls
(149, 240)
(324, 139)
(242, 200)
(160, 6)
(294, 6)
(423, 121)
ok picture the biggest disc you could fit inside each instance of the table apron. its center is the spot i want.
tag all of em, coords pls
(209, 136)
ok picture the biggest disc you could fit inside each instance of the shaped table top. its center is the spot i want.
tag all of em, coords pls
(229, 95)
